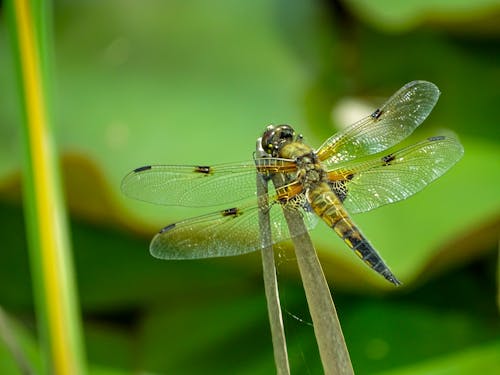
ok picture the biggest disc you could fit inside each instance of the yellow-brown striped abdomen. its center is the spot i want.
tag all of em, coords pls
(329, 208)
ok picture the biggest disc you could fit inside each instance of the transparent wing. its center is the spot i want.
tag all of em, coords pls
(380, 180)
(385, 127)
(199, 186)
(228, 232)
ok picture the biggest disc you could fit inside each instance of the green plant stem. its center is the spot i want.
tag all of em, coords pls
(271, 282)
(54, 287)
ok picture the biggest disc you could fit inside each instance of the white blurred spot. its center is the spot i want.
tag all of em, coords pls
(349, 110)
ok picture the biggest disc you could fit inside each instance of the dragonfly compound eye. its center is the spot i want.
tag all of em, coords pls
(276, 136)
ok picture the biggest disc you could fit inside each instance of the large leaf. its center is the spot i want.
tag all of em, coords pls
(402, 15)
(132, 94)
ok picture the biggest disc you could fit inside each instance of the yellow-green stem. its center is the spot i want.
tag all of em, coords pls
(47, 228)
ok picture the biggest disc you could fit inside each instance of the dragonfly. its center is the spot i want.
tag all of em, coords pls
(351, 172)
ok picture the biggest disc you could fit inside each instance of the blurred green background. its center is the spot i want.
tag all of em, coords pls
(196, 82)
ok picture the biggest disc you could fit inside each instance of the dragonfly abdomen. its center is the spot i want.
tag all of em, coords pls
(329, 207)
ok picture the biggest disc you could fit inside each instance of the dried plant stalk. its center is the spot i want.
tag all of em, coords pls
(332, 347)
(271, 282)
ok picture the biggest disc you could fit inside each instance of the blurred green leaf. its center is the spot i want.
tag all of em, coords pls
(155, 315)
(203, 329)
(482, 359)
(401, 15)
(162, 97)
(16, 338)
(385, 332)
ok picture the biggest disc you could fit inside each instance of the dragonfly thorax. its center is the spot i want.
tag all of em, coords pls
(309, 170)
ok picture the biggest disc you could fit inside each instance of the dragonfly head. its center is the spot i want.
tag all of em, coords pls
(275, 137)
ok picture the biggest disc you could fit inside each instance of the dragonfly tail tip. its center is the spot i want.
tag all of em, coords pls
(388, 275)
(393, 280)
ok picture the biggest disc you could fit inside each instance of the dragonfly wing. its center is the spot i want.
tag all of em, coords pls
(195, 185)
(380, 180)
(227, 232)
(385, 127)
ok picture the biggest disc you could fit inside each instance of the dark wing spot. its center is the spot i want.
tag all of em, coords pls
(437, 138)
(167, 228)
(349, 176)
(203, 169)
(387, 159)
(378, 112)
(230, 212)
(140, 169)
